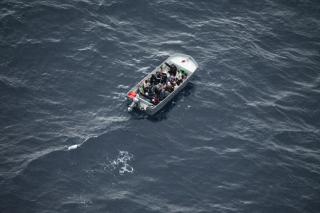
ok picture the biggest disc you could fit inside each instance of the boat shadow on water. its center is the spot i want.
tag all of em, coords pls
(163, 113)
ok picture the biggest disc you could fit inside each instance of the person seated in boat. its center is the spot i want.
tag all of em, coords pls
(179, 74)
(158, 74)
(153, 90)
(157, 89)
(158, 77)
(144, 87)
(173, 79)
(184, 77)
(168, 87)
(172, 69)
(175, 86)
(164, 78)
(180, 77)
(156, 97)
(153, 79)
(146, 84)
(179, 81)
(150, 93)
(155, 100)
(163, 93)
(141, 90)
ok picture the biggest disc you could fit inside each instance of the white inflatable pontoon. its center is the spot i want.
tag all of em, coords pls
(183, 66)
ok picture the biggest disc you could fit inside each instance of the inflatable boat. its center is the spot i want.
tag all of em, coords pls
(156, 89)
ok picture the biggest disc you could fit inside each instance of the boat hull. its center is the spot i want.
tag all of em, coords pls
(182, 61)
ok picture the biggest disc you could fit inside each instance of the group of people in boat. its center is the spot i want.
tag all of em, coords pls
(162, 83)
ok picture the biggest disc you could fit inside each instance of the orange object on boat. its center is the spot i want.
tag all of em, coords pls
(132, 95)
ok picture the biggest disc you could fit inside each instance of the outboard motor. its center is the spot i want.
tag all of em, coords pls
(135, 100)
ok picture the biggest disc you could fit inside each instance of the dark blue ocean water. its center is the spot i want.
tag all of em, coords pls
(243, 136)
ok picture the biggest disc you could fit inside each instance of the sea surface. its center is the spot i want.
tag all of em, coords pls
(243, 136)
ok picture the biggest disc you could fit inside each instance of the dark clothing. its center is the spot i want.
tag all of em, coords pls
(157, 89)
(169, 88)
(163, 78)
(179, 82)
(155, 100)
(163, 94)
(153, 79)
(173, 70)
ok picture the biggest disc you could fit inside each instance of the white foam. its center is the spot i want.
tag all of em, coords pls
(75, 146)
(121, 163)
(123, 86)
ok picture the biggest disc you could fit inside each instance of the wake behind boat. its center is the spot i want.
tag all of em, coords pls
(154, 91)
